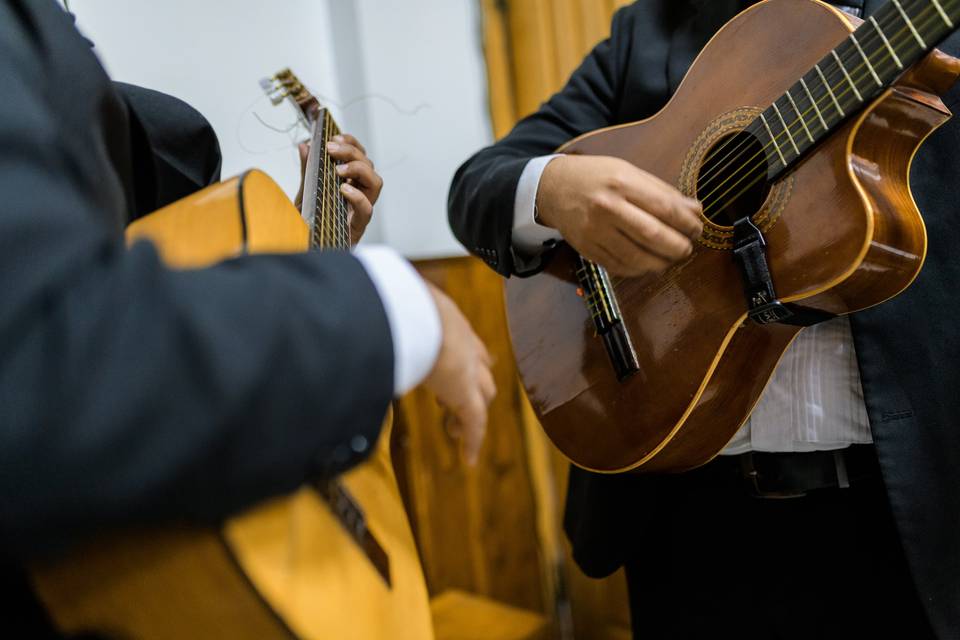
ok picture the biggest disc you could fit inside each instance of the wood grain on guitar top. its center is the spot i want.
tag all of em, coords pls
(849, 236)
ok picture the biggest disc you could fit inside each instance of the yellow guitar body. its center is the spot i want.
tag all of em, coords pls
(287, 569)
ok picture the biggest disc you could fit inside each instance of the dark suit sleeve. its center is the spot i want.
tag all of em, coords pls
(130, 393)
(481, 201)
(174, 150)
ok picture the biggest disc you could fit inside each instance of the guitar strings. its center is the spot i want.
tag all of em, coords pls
(335, 210)
(815, 104)
(745, 177)
(927, 16)
(934, 16)
(761, 166)
(717, 170)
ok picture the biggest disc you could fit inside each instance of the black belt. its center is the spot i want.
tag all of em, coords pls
(792, 475)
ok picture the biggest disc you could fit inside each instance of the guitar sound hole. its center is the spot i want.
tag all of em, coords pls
(732, 182)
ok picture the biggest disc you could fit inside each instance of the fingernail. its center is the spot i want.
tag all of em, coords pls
(338, 138)
(333, 146)
(341, 169)
(347, 188)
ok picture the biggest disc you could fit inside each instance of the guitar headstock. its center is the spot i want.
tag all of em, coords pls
(286, 85)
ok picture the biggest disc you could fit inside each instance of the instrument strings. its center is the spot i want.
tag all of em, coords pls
(331, 226)
(926, 17)
(824, 99)
(930, 14)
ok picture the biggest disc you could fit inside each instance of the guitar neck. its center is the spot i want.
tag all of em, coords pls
(866, 63)
(324, 207)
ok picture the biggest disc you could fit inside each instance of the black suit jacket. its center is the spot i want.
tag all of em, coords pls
(908, 348)
(130, 393)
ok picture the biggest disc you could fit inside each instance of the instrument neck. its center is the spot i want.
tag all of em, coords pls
(324, 207)
(865, 64)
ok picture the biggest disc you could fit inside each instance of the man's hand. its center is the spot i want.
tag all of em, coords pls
(461, 378)
(616, 214)
(361, 183)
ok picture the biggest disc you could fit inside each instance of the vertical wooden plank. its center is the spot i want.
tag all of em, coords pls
(568, 35)
(504, 539)
(534, 51)
(595, 17)
(500, 81)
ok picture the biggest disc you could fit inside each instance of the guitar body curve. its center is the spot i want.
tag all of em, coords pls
(842, 229)
(285, 570)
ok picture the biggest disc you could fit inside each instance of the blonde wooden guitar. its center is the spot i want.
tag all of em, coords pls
(337, 559)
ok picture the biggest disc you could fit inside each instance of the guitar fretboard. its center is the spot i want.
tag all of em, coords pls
(846, 79)
(331, 227)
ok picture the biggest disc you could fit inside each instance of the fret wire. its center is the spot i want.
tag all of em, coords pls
(786, 128)
(866, 61)
(886, 43)
(833, 97)
(793, 103)
(943, 14)
(773, 140)
(906, 18)
(813, 102)
(846, 75)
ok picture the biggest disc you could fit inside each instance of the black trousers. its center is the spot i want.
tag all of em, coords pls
(716, 563)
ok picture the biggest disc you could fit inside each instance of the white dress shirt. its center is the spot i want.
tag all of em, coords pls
(411, 313)
(814, 400)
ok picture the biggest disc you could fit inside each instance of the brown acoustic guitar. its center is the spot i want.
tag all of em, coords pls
(795, 127)
(337, 559)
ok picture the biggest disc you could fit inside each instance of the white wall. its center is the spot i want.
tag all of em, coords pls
(406, 76)
(426, 56)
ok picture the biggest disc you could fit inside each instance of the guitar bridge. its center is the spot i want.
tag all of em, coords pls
(597, 292)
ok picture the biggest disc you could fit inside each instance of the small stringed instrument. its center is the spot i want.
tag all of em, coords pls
(335, 560)
(798, 143)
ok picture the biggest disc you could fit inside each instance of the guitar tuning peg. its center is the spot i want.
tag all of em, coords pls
(272, 90)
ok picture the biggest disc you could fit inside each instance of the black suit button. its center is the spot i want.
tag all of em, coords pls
(359, 444)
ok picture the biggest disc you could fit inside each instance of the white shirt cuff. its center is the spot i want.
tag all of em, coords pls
(411, 313)
(529, 237)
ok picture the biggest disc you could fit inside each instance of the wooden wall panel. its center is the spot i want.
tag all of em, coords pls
(476, 527)
(532, 47)
(495, 530)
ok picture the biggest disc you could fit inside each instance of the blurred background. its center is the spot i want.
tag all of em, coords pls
(424, 84)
